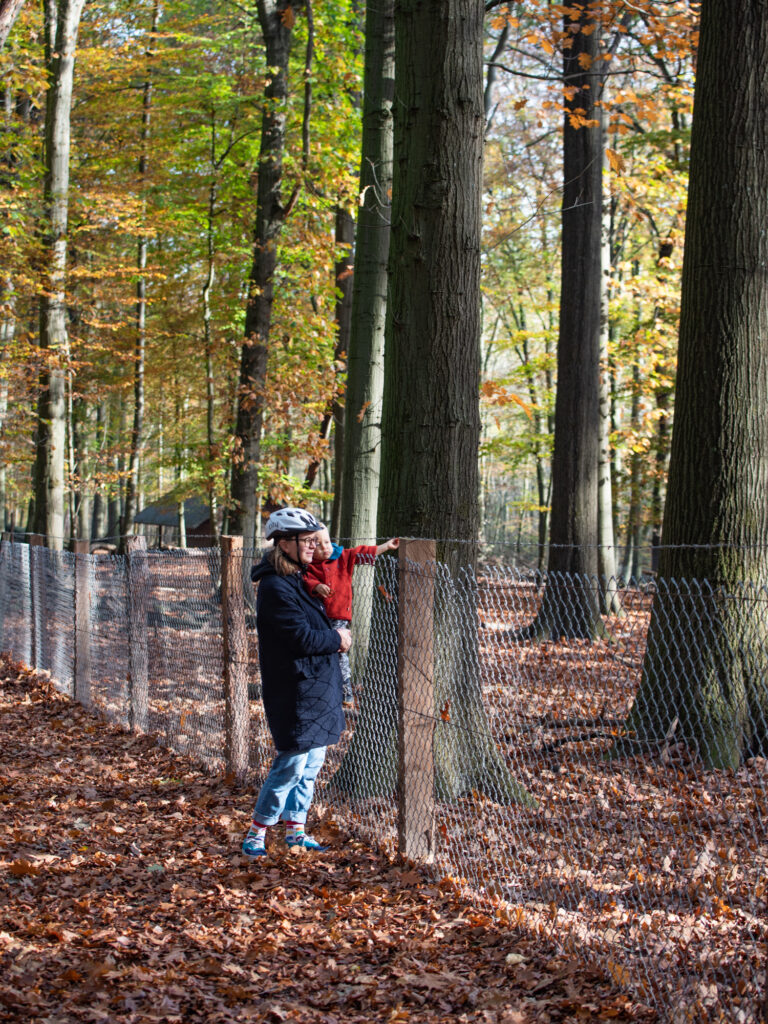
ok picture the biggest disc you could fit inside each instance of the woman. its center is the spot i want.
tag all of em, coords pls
(300, 679)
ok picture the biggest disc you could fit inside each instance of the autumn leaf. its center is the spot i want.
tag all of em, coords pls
(19, 868)
(616, 161)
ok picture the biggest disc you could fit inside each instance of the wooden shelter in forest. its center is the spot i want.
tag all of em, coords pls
(164, 514)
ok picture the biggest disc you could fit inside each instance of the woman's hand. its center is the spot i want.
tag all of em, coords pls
(346, 640)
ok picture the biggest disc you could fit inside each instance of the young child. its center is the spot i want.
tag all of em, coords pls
(329, 576)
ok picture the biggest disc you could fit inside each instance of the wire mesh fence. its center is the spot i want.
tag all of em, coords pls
(606, 788)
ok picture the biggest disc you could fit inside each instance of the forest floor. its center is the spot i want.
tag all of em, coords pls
(124, 897)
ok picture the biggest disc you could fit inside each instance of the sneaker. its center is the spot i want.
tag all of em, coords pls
(348, 698)
(254, 847)
(305, 842)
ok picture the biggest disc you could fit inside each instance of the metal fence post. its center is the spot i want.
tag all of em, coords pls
(235, 657)
(37, 597)
(416, 701)
(138, 593)
(82, 679)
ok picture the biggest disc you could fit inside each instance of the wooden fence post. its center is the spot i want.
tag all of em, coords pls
(235, 657)
(82, 679)
(37, 598)
(416, 701)
(138, 599)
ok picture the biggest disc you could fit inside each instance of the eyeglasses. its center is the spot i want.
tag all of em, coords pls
(308, 542)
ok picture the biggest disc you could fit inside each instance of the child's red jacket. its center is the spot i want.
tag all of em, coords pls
(336, 571)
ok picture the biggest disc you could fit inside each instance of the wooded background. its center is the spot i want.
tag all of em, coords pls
(194, 296)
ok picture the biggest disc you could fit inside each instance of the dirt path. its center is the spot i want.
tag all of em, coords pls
(123, 897)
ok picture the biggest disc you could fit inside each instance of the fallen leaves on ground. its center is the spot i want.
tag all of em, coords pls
(125, 898)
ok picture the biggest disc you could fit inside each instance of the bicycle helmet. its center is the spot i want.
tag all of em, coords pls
(287, 522)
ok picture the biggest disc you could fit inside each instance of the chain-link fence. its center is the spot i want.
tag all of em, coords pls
(608, 790)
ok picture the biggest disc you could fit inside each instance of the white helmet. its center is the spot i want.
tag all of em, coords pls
(288, 521)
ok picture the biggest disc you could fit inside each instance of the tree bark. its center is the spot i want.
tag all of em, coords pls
(365, 358)
(61, 26)
(345, 237)
(99, 514)
(431, 416)
(7, 300)
(332, 423)
(570, 606)
(81, 529)
(9, 12)
(705, 663)
(276, 18)
(210, 391)
(610, 602)
(631, 562)
(116, 427)
(137, 433)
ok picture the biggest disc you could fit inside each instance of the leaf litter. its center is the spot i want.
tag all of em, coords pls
(124, 897)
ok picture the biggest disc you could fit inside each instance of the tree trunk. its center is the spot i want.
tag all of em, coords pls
(332, 423)
(570, 606)
(61, 27)
(7, 330)
(137, 433)
(7, 303)
(276, 18)
(610, 603)
(539, 428)
(365, 358)
(431, 392)
(116, 421)
(345, 237)
(182, 524)
(358, 483)
(662, 451)
(81, 528)
(210, 391)
(705, 663)
(630, 569)
(431, 407)
(9, 12)
(99, 514)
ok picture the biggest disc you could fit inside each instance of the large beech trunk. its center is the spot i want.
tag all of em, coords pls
(705, 669)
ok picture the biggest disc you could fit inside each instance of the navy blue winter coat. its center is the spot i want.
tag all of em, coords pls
(298, 654)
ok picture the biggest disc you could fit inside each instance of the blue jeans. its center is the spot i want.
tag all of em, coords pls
(287, 790)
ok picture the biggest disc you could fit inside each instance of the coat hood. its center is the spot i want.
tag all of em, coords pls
(264, 568)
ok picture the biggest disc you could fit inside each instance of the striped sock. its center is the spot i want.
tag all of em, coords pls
(258, 833)
(294, 830)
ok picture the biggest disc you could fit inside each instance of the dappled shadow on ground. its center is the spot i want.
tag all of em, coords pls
(125, 898)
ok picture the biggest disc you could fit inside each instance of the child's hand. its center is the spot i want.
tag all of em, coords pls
(346, 640)
(323, 590)
(388, 545)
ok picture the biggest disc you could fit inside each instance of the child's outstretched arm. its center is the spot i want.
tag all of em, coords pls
(388, 545)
